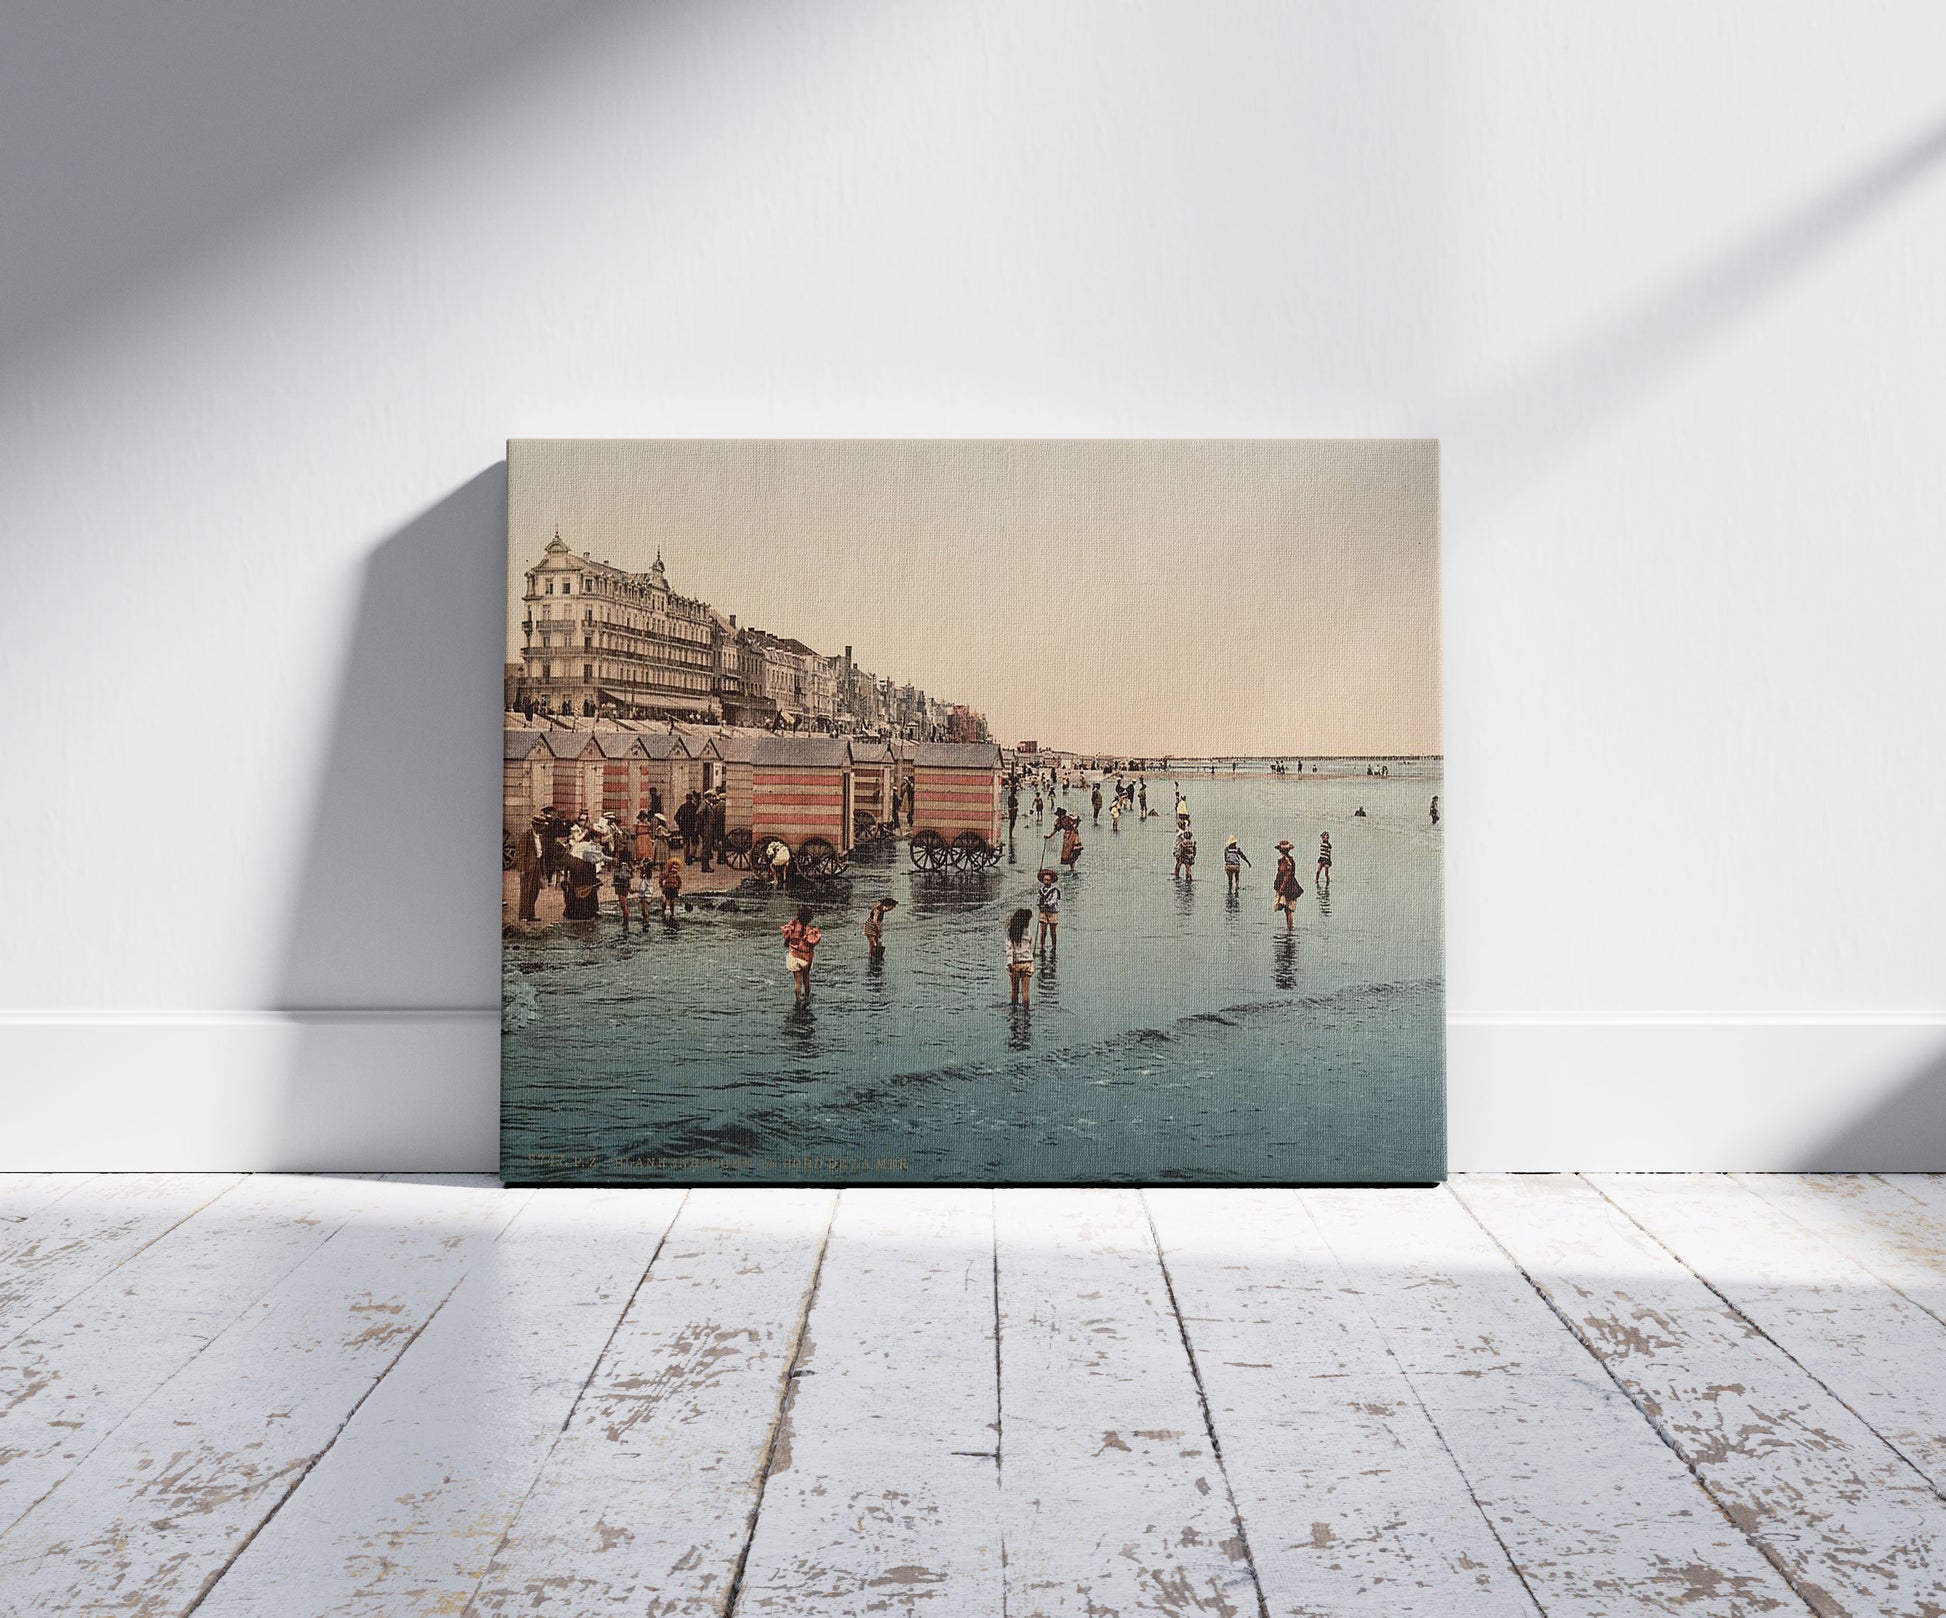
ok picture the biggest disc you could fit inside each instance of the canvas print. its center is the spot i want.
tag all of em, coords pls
(973, 812)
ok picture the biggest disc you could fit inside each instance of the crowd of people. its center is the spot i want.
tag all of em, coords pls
(642, 864)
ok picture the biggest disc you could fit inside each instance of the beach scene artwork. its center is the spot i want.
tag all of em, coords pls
(973, 812)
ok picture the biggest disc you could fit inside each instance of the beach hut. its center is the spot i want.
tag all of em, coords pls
(872, 770)
(574, 785)
(801, 795)
(664, 764)
(956, 805)
(620, 752)
(529, 780)
(734, 755)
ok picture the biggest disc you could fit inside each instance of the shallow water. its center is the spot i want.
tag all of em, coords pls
(1178, 1034)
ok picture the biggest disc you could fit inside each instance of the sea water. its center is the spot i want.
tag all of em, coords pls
(1178, 1034)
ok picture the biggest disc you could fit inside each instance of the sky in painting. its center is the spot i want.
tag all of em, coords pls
(1189, 597)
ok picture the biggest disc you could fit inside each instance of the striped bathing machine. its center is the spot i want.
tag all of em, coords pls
(956, 805)
(801, 796)
(873, 771)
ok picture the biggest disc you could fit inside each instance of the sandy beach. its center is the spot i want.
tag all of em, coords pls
(551, 906)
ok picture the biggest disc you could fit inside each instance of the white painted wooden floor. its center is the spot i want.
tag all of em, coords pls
(1586, 1395)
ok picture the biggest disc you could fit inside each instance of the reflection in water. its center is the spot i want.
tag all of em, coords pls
(1324, 898)
(801, 1026)
(875, 973)
(953, 892)
(1185, 896)
(1283, 962)
(1020, 1024)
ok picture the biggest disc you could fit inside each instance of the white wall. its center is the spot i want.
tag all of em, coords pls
(1665, 279)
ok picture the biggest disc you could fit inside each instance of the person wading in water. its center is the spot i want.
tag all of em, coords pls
(1020, 959)
(1286, 886)
(1234, 859)
(801, 940)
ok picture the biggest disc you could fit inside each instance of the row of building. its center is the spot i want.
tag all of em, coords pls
(600, 641)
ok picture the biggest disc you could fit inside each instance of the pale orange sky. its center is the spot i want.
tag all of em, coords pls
(1137, 596)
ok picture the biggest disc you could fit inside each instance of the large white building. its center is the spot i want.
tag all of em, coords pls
(602, 639)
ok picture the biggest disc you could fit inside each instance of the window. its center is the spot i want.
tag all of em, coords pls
(550, 588)
(588, 671)
(567, 587)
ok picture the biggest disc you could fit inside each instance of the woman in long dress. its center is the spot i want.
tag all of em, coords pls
(1070, 842)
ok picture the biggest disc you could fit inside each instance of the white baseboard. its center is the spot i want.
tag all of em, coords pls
(418, 1090)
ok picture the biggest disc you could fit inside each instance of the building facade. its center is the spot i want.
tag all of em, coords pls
(600, 640)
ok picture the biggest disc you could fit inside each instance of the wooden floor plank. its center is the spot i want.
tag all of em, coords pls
(154, 1514)
(1600, 1518)
(23, 1194)
(1851, 1523)
(404, 1512)
(1113, 1499)
(1874, 1349)
(884, 1492)
(72, 1378)
(1888, 1223)
(645, 1503)
(1350, 1500)
(62, 1248)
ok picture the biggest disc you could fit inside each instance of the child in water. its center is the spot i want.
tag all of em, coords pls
(1020, 957)
(1186, 851)
(1049, 906)
(801, 940)
(1322, 875)
(874, 926)
(671, 887)
(624, 879)
(1234, 860)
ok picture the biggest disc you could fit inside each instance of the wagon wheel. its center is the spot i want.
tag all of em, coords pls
(864, 828)
(993, 855)
(817, 859)
(970, 851)
(929, 850)
(736, 849)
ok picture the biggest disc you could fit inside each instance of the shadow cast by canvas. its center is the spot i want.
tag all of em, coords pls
(392, 942)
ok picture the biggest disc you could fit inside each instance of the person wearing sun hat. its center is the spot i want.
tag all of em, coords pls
(1234, 860)
(1048, 904)
(1286, 886)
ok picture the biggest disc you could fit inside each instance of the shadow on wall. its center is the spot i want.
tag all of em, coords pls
(178, 126)
(1552, 408)
(1904, 1134)
(392, 951)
